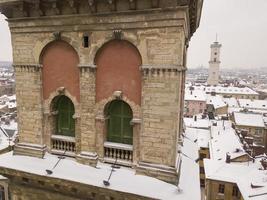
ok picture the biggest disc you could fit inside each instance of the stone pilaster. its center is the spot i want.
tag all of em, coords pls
(29, 105)
(160, 127)
(87, 141)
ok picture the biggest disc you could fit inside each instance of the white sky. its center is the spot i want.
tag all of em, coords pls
(242, 29)
(241, 26)
(5, 41)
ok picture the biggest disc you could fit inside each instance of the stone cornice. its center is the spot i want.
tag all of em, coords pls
(83, 22)
(162, 66)
(33, 10)
(162, 70)
(27, 67)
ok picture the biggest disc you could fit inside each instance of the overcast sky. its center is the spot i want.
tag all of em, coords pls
(241, 26)
(242, 29)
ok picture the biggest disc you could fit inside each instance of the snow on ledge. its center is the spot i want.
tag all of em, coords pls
(123, 179)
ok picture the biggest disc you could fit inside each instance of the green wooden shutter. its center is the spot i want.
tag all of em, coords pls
(65, 122)
(119, 128)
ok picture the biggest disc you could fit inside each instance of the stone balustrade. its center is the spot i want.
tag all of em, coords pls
(63, 144)
(122, 152)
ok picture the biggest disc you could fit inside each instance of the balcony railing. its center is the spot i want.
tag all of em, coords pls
(63, 144)
(122, 152)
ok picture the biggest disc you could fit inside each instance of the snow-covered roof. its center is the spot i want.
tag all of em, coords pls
(222, 171)
(231, 90)
(198, 136)
(216, 101)
(225, 141)
(219, 89)
(3, 178)
(243, 174)
(231, 102)
(136, 184)
(198, 123)
(190, 187)
(232, 109)
(195, 95)
(248, 119)
(4, 139)
(11, 104)
(256, 178)
(13, 125)
(253, 104)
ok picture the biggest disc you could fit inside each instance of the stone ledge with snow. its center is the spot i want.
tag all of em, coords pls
(82, 177)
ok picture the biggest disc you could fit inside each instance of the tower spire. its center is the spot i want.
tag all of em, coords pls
(216, 37)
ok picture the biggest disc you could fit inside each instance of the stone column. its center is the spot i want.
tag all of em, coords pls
(86, 153)
(30, 112)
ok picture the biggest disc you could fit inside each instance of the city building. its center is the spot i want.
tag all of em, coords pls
(254, 124)
(214, 63)
(103, 82)
(216, 105)
(195, 102)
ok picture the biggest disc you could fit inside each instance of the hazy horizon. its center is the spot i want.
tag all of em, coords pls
(241, 26)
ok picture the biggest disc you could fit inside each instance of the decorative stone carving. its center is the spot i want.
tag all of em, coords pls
(61, 90)
(117, 34)
(57, 35)
(117, 94)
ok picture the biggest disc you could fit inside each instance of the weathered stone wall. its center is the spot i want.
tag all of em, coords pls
(161, 96)
(25, 186)
(161, 41)
(160, 116)
(87, 91)
(29, 103)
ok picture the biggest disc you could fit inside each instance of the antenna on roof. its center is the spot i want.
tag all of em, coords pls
(50, 171)
(216, 37)
(106, 182)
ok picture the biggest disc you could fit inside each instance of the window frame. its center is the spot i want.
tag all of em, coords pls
(221, 189)
(118, 130)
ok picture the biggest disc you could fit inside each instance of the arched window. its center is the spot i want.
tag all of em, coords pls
(65, 122)
(119, 128)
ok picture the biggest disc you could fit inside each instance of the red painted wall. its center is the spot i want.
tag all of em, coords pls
(60, 68)
(118, 63)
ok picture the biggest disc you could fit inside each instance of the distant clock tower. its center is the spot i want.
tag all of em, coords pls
(214, 63)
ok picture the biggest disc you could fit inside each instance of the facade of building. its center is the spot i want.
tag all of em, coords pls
(214, 64)
(195, 102)
(216, 189)
(99, 81)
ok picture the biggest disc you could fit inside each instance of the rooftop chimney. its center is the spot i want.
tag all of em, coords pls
(228, 158)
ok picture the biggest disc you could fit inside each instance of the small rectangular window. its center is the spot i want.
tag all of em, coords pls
(235, 191)
(85, 41)
(202, 170)
(2, 193)
(202, 182)
(221, 189)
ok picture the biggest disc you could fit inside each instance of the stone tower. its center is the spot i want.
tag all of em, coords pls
(214, 63)
(102, 81)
